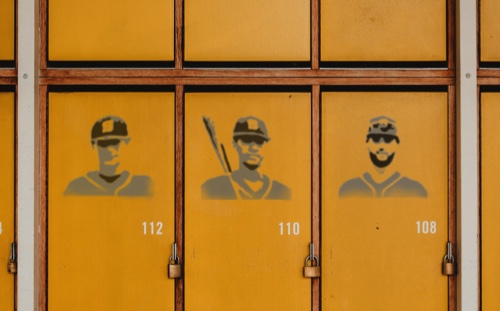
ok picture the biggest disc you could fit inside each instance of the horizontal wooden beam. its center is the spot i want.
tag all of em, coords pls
(8, 73)
(245, 73)
(246, 81)
(488, 80)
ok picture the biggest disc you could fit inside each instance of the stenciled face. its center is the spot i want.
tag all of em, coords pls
(108, 151)
(382, 149)
(249, 150)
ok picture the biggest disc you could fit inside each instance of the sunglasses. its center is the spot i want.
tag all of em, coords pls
(108, 142)
(378, 137)
(248, 139)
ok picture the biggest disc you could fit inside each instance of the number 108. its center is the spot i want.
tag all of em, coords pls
(426, 227)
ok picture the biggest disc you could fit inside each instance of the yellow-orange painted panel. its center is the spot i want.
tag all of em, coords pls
(7, 30)
(248, 254)
(368, 30)
(384, 227)
(7, 208)
(94, 30)
(490, 31)
(490, 233)
(238, 30)
(109, 250)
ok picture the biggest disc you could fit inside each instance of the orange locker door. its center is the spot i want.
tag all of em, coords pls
(244, 31)
(7, 30)
(7, 218)
(247, 200)
(490, 233)
(110, 199)
(96, 30)
(380, 31)
(384, 199)
(490, 31)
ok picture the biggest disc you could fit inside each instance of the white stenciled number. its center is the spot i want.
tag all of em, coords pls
(289, 228)
(426, 227)
(152, 228)
(159, 225)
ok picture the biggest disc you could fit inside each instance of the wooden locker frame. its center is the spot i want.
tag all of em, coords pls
(314, 77)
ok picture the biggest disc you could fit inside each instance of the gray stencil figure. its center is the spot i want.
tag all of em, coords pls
(107, 135)
(247, 183)
(382, 141)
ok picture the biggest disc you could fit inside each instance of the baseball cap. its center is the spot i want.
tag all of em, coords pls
(109, 127)
(250, 126)
(382, 126)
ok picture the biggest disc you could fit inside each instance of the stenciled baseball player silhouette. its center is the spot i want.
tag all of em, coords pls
(382, 142)
(247, 182)
(107, 135)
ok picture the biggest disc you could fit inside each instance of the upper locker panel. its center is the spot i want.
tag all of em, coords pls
(96, 30)
(110, 200)
(384, 200)
(7, 30)
(383, 31)
(490, 32)
(248, 200)
(247, 31)
(7, 218)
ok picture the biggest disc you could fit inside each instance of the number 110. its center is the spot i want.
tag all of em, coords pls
(291, 228)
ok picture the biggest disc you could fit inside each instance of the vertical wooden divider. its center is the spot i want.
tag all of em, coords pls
(451, 34)
(179, 150)
(316, 189)
(16, 165)
(316, 152)
(316, 158)
(480, 187)
(43, 9)
(315, 34)
(42, 247)
(179, 33)
(179, 191)
(452, 192)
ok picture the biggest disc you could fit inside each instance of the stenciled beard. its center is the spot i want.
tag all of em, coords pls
(251, 167)
(378, 163)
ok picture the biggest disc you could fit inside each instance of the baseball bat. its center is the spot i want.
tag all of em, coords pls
(209, 125)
